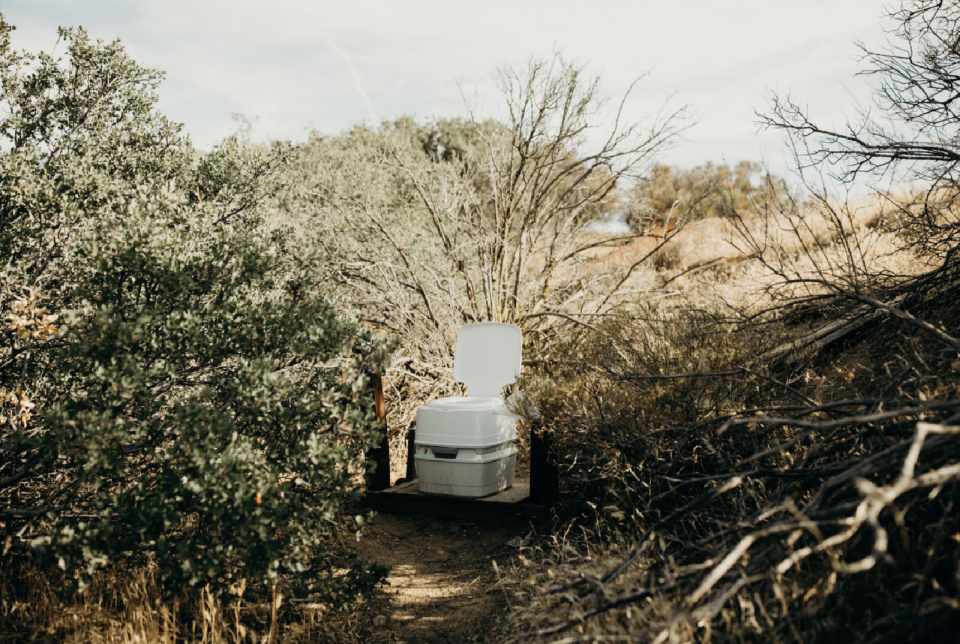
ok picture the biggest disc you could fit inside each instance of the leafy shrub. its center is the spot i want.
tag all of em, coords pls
(176, 389)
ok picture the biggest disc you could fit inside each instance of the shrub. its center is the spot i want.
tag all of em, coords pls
(618, 401)
(710, 496)
(175, 389)
(431, 227)
(816, 507)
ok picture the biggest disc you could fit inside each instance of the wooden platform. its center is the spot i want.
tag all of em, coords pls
(406, 498)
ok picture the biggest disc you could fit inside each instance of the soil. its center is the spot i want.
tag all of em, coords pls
(443, 585)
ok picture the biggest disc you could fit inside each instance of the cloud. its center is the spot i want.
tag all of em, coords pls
(357, 81)
(295, 65)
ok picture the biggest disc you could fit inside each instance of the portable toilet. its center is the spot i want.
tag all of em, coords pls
(464, 444)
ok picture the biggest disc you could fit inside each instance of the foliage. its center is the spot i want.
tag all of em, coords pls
(756, 487)
(429, 227)
(670, 191)
(177, 390)
(615, 396)
(123, 605)
(714, 488)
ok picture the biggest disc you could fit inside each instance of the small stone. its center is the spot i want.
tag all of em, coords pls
(380, 620)
(521, 542)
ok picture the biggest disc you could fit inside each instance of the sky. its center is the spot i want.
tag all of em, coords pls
(290, 67)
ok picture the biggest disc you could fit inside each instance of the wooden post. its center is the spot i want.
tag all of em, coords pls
(544, 476)
(379, 479)
(411, 451)
(411, 470)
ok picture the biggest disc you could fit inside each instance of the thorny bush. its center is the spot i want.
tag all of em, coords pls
(707, 498)
(821, 506)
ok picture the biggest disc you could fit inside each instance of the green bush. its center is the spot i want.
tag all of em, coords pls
(175, 388)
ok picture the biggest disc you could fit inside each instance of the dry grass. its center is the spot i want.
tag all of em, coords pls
(130, 607)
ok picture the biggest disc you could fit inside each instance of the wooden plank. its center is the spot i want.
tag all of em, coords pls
(508, 504)
(410, 487)
(517, 493)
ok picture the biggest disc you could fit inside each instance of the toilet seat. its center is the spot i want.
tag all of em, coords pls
(466, 403)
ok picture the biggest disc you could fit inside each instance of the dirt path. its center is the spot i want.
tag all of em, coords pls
(441, 586)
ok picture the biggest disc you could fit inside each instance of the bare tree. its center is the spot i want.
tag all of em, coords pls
(495, 225)
(811, 506)
(911, 132)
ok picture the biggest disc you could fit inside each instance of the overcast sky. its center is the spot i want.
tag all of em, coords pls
(293, 66)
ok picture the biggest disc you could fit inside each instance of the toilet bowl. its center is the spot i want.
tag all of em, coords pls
(464, 445)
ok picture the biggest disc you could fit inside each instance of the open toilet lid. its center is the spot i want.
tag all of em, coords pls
(488, 357)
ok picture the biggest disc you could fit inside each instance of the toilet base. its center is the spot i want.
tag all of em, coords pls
(469, 473)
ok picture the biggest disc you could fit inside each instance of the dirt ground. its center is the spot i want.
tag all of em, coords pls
(443, 583)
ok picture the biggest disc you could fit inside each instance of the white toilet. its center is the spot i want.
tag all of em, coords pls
(464, 445)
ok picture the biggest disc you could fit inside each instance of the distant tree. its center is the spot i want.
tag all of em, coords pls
(669, 189)
(173, 388)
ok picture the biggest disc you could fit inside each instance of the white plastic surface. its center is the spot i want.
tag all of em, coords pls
(473, 473)
(488, 357)
(466, 403)
(457, 425)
